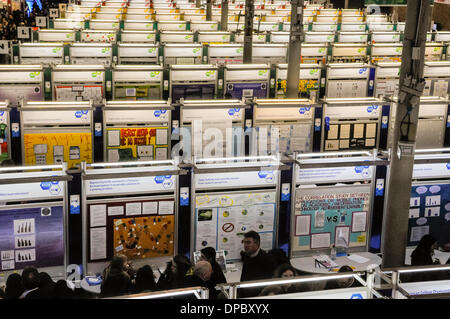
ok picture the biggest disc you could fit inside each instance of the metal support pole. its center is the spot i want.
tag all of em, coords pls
(395, 220)
(248, 31)
(296, 38)
(208, 10)
(224, 16)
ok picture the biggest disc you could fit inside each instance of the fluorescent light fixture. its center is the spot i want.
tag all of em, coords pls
(288, 281)
(26, 168)
(424, 269)
(172, 294)
(134, 163)
(306, 155)
(215, 159)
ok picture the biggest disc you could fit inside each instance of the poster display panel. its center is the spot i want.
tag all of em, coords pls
(15, 93)
(137, 92)
(290, 138)
(56, 148)
(137, 228)
(137, 143)
(338, 213)
(193, 92)
(305, 87)
(239, 90)
(31, 236)
(79, 93)
(429, 212)
(221, 220)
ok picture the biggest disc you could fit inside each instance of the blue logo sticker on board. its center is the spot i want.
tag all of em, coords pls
(163, 111)
(448, 165)
(356, 296)
(159, 179)
(157, 113)
(78, 114)
(375, 107)
(370, 109)
(361, 71)
(231, 112)
(358, 169)
(263, 174)
(46, 185)
(301, 110)
(307, 108)
(2, 112)
(184, 196)
(327, 123)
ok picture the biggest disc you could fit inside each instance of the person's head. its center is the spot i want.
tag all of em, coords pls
(271, 290)
(285, 271)
(180, 265)
(119, 262)
(45, 280)
(251, 242)
(208, 254)
(30, 277)
(279, 256)
(203, 270)
(62, 290)
(345, 282)
(145, 279)
(14, 286)
(428, 242)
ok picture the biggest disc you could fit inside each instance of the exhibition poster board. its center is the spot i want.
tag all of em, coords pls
(222, 219)
(325, 215)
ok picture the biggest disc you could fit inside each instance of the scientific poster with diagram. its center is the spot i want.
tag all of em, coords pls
(221, 220)
(31, 237)
(429, 213)
(79, 93)
(305, 87)
(139, 229)
(327, 215)
(137, 143)
(55, 148)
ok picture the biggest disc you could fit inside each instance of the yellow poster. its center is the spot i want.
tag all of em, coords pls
(304, 86)
(55, 148)
(144, 237)
(137, 143)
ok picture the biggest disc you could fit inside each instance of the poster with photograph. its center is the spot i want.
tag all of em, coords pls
(223, 219)
(31, 236)
(55, 148)
(135, 143)
(340, 212)
(133, 227)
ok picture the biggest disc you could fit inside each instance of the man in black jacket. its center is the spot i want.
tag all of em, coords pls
(257, 264)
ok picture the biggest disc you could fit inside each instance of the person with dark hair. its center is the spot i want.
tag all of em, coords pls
(31, 281)
(177, 274)
(283, 271)
(46, 287)
(279, 256)
(14, 287)
(423, 254)
(217, 277)
(145, 279)
(257, 264)
(116, 280)
(62, 290)
(344, 282)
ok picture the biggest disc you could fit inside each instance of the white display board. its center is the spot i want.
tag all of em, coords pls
(222, 219)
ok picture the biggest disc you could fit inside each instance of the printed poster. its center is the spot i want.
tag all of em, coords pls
(136, 143)
(429, 213)
(331, 211)
(55, 148)
(4, 136)
(222, 220)
(31, 237)
(135, 228)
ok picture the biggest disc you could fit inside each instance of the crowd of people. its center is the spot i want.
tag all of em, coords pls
(120, 278)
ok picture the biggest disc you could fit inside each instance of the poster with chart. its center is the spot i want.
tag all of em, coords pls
(329, 215)
(221, 220)
(55, 148)
(137, 143)
(138, 228)
(31, 236)
(429, 212)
